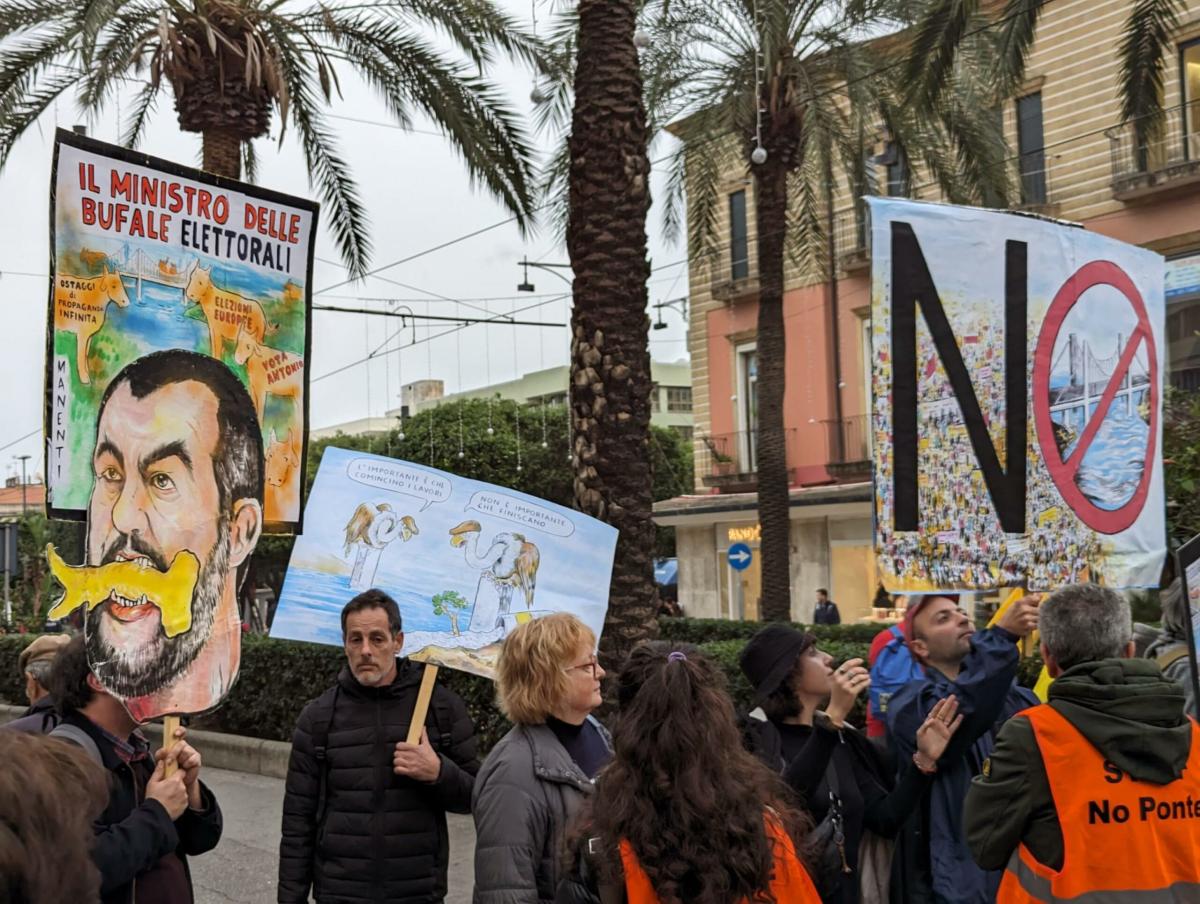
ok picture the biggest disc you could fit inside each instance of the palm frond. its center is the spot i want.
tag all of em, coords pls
(18, 15)
(347, 218)
(554, 188)
(1014, 41)
(1147, 35)
(937, 34)
(476, 27)
(139, 116)
(483, 130)
(32, 104)
(249, 162)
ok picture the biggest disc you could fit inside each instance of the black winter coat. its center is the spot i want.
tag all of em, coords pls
(383, 836)
(133, 834)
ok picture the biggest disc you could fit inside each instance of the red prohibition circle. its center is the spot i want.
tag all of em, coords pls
(1096, 273)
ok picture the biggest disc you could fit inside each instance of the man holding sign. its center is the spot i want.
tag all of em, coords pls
(377, 803)
(153, 821)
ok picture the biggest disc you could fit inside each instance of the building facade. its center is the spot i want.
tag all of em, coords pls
(1070, 159)
(670, 403)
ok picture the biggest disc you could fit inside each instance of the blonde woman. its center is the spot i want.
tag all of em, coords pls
(538, 776)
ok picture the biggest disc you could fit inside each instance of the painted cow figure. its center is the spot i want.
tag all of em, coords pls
(80, 304)
(281, 490)
(270, 371)
(227, 313)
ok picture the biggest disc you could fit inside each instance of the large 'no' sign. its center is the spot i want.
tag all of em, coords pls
(1063, 472)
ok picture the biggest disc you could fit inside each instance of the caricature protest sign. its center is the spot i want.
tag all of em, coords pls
(175, 382)
(1017, 402)
(466, 561)
(148, 256)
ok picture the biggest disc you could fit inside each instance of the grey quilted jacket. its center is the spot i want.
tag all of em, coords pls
(525, 795)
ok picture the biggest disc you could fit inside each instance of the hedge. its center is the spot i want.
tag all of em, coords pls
(278, 677)
(706, 630)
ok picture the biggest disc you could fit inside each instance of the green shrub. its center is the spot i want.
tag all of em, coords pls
(704, 630)
(278, 677)
(12, 685)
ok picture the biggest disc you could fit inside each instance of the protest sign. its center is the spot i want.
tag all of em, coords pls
(466, 561)
(147, 256)
(177, 338)
(1021, 410)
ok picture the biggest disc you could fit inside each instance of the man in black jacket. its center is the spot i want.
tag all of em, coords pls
(153, 822)
(364, 815)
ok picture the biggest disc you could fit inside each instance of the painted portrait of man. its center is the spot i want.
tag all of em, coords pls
(178, 466)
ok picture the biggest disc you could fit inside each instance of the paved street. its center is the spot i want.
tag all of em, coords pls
(242, 868)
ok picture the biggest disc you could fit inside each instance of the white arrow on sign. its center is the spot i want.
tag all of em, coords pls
(741, 557)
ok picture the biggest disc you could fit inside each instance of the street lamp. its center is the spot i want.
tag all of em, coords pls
(23, 458)
(679, 304)
(526, 286)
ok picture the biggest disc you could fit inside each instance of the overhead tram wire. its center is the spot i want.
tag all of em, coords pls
(430, 338)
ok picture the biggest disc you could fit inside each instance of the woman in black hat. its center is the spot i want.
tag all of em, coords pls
(836, 770)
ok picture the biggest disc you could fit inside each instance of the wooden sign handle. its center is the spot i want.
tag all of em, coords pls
(170, 724)
(424, 695)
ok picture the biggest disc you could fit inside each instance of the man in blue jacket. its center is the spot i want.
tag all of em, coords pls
(933, 863)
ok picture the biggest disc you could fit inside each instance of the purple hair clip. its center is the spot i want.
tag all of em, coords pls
(676, 656)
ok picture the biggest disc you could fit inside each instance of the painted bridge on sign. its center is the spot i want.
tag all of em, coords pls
(1099, 396)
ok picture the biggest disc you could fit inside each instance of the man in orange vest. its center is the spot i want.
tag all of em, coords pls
(1094, 795)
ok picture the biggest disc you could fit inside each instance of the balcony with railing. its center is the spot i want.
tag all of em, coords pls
(848, 447)
(1147, 161)
(729, 461)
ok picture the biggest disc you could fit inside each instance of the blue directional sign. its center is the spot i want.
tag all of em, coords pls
(740, 556)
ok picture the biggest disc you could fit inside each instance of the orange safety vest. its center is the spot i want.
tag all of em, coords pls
(1124, 840)
(790, 883)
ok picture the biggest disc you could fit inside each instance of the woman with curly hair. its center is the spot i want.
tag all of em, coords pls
(50, 791)
(683, 813)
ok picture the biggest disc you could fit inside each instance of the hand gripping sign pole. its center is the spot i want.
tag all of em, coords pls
(170, 726)
(424, 695)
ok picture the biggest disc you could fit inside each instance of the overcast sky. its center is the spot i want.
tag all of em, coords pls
(417, 195)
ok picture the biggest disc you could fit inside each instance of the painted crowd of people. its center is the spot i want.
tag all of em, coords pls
(955, 502)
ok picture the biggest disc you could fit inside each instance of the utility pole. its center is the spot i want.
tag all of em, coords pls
(24, 458)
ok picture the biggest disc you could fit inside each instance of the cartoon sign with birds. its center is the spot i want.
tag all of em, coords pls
(474, 560)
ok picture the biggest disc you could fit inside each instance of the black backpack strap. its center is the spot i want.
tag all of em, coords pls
(320, 738)
(443, 720)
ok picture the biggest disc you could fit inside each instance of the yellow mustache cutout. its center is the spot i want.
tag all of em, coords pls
(90, 585)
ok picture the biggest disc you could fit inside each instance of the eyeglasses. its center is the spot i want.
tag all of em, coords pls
(590, 666)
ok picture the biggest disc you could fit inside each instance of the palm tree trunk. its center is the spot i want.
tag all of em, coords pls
(770, 215)
(610, 359)
(222, 153)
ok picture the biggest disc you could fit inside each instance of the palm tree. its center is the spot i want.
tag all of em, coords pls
(609, 198)
(944, 26)
(231, 64)
(797, 92)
